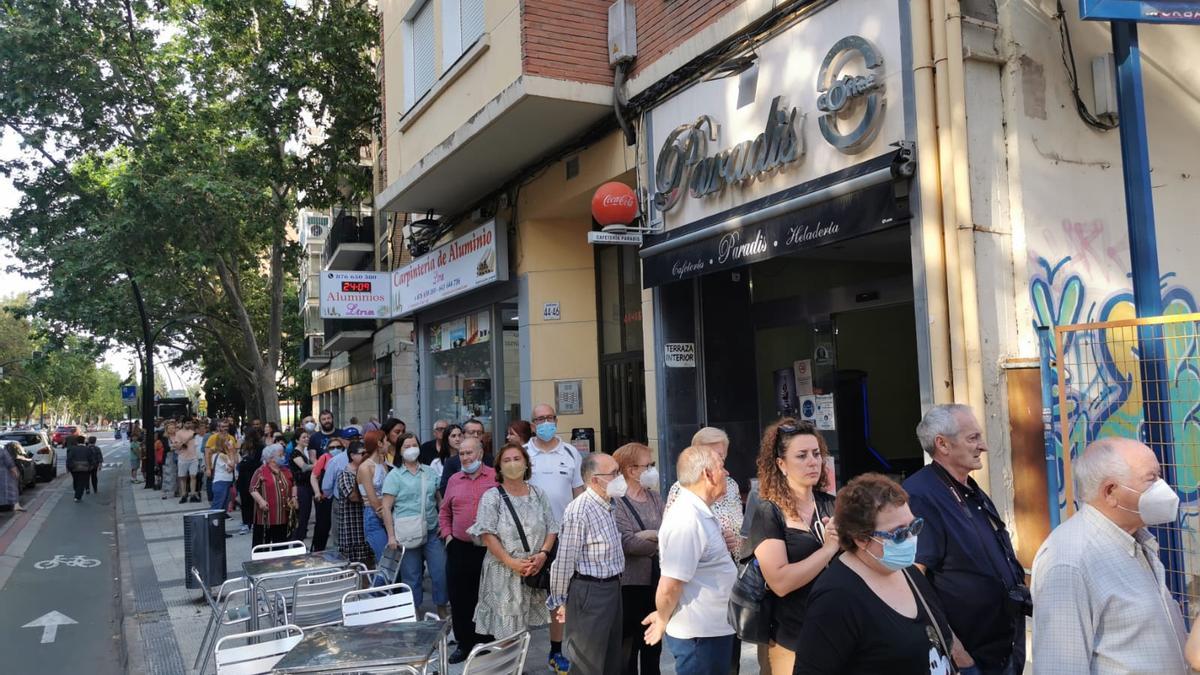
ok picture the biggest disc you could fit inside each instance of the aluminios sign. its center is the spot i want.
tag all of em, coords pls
(842, 97)
(684, 162)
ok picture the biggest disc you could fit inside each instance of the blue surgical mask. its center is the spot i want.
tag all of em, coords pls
(546, 431)
(472, 467)
(282, 461)
(897, 556)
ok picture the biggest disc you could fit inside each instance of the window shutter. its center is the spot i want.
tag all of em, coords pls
(424, 67)
(471, 18)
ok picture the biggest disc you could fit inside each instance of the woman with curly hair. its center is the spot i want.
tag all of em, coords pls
(791, 532)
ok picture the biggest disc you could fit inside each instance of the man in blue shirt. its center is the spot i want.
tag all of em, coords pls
(320, 438)
(965, 549)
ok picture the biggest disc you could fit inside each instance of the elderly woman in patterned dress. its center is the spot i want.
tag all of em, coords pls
(506, 604)
(10, 480)
(352, 540)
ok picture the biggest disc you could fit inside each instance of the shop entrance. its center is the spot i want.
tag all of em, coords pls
(827, 335)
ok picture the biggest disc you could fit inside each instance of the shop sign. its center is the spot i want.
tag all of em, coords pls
(355, 295)
(684, 162)
(472, 261)
(827, 93)
(619, 239)
(841, 95)
(838, 219)
(1143, 11)
(679, 354)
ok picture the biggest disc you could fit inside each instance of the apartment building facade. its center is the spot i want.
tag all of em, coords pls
(852, 209)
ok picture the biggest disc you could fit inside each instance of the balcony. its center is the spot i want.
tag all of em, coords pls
(350, 243)
(312, 353)
(342, 335)
(519, 92)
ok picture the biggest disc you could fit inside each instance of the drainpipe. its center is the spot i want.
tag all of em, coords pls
(958, 226)
(932, 245)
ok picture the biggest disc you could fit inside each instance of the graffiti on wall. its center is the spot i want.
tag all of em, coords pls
(1103, 380)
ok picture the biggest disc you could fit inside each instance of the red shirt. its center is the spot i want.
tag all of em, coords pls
(461, 502)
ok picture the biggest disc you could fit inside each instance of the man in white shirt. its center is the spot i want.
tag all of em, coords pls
(697, 572)
(1100, 601)
(555, 467)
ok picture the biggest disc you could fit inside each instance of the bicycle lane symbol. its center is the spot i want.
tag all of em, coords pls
(68, 561)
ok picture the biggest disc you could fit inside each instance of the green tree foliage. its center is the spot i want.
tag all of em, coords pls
(170, 143)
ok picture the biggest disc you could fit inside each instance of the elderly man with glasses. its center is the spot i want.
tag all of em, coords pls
(965, 550)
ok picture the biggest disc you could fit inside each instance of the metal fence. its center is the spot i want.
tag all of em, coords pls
(1134, 378)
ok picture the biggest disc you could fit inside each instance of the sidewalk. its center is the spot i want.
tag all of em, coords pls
(164, 621)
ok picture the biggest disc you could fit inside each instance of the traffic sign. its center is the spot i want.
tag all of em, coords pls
(129, 394)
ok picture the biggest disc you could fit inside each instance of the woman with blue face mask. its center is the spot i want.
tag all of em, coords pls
(872, 611)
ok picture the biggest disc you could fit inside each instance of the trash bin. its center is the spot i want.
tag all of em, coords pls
(204, 547)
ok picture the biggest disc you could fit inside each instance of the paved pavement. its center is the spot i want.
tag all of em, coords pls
(59, 579)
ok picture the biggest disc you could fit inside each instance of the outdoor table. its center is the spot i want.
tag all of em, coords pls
(295, 566)
(372, 648)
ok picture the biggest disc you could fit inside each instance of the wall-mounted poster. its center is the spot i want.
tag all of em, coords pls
(803, 370)
(786, 401)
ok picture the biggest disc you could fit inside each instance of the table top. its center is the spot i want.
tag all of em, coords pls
(319, 560)
(341, 648)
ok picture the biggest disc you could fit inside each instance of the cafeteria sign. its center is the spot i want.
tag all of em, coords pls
(472, 261)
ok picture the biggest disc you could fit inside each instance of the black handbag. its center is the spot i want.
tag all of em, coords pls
(541, 580)
(751, 604)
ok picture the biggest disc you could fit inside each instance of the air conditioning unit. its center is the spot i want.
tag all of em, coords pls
(622, 32)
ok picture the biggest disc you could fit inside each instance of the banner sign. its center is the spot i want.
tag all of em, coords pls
(474, 260)
(355, 295)
(838, 219)
(1142, 11)
(129, 394)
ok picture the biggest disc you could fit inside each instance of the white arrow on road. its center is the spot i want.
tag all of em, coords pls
(49, 623)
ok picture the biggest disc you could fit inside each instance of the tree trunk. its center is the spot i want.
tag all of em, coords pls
(264, 371)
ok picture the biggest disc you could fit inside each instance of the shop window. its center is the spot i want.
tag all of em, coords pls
(622, 367)
(460, 353)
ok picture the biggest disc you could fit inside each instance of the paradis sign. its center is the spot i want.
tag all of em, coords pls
(838, 219)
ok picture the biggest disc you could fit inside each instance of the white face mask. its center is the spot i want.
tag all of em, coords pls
(1158, 505)
(617, 487)
(649, 478)
(310, 427)
(410, 454)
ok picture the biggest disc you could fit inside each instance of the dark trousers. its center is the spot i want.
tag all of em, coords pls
(80, 481)
(269, 534)
(594, 617)
(247, 505)
(637, 602)
(304, 496)
(94, 474)
(464, 565)
(324, 521)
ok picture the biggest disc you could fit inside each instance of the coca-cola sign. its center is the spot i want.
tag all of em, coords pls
(614, 204)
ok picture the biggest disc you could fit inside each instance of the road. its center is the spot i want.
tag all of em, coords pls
(39, 605)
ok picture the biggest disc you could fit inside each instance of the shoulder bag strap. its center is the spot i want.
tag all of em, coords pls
(424, 477)
(937, 627)
(511, 510)
(633, 511)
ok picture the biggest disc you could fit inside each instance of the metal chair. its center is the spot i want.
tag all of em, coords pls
(281, 549)
(316, 600)
(388, 571)
(382, 604)
(502, 657)
(253, 657)
(223, 614)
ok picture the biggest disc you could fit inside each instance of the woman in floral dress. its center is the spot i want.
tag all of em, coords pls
(506, 604)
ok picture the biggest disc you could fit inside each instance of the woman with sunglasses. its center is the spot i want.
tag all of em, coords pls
(872, 611)
(791, 533)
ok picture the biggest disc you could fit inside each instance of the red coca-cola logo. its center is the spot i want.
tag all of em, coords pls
(614, 204)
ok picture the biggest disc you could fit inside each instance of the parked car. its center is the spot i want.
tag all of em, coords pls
(61, 433)
(24, 462)
(44, 455)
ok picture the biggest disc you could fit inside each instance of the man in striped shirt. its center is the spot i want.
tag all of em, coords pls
(585, 578)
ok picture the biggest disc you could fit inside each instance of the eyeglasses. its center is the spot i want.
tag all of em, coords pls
(610, 474)
(900, 534)
(545, 418)
(644, 466)
(439, 429)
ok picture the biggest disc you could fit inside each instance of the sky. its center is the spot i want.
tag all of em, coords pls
(120, 361)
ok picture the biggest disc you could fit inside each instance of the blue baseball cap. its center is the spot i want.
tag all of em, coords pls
(349, 433)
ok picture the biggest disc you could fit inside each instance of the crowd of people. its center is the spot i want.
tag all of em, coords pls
(877, 577)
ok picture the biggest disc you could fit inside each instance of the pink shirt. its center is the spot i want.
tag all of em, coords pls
(461, 502)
